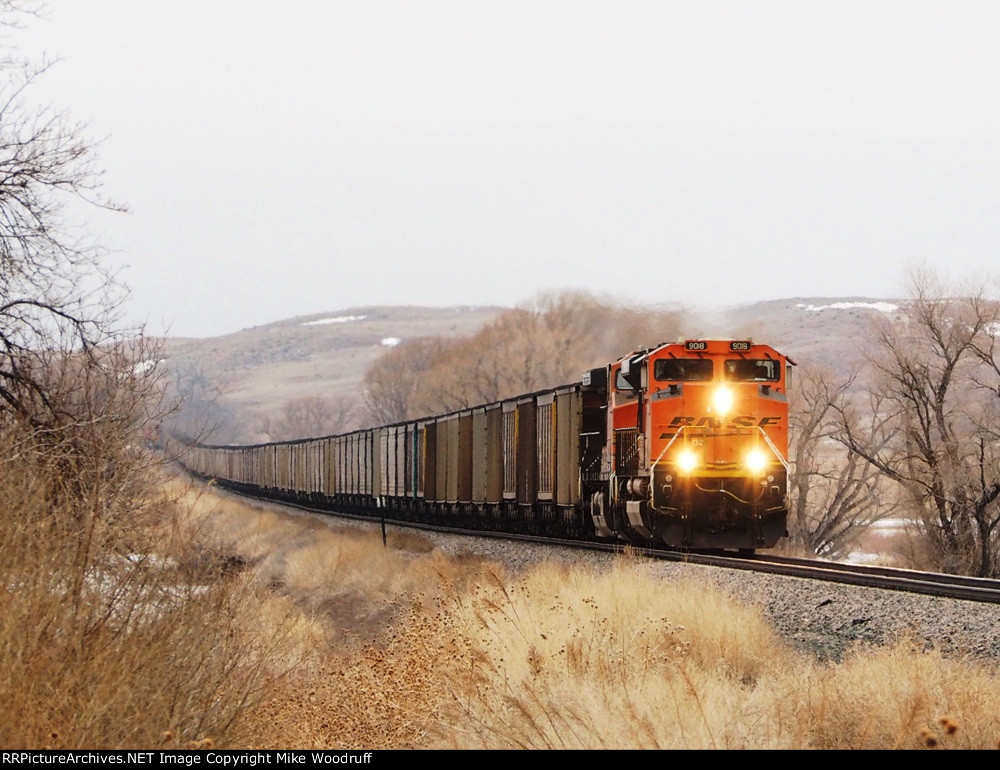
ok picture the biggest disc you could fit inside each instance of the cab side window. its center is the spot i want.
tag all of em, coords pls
(683, 370)
(753, 370)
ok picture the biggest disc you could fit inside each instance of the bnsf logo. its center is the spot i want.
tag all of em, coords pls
(736, 422)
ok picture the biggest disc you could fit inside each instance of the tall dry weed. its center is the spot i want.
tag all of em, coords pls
(365, 611)
(406, 647)
(900, 696)
(576, 658)
(107, 638)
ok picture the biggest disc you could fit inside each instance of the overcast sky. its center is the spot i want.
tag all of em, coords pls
(310, 156)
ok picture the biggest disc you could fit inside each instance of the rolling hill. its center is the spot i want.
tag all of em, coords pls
(244, 378)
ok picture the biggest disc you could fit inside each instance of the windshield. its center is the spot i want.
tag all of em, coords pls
(683, 370)
(753, 370)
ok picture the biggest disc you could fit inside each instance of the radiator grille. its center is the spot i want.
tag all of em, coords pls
(627, 452)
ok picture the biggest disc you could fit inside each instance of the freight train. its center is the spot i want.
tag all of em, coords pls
(681, 445)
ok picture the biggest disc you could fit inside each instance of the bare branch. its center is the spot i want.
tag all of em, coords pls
(935, 409)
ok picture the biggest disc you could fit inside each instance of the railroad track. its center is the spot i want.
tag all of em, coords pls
(960, 587)
(963, 587)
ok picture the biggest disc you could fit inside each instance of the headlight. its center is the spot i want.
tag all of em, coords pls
(755, 461)
(722, 400)
(687, 460)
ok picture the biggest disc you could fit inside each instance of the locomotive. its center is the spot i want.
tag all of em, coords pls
(681, 445)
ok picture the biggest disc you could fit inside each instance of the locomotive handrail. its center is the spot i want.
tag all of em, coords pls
(774, 449)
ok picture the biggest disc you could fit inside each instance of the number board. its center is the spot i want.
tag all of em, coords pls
(695, 345)
(739, 345)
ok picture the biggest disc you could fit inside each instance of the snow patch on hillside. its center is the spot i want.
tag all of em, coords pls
(340, 319)
(882, 307)
(391, 342)
(144, 367)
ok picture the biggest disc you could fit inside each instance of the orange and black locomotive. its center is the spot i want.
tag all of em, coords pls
(698, 440)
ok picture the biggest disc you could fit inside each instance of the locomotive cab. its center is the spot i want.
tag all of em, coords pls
(700, 440)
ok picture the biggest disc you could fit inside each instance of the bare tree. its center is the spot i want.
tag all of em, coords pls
(835, 494)
(79, 391)
(937, 385)
(311, 416)
(200, 414)
(392, 382)
(56, 301)
(549, 342)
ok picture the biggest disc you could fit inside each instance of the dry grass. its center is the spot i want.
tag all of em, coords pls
(415, 649)
(577, 659)
(367, 612)
(216, 621)
(107, 638)
(341, 575)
